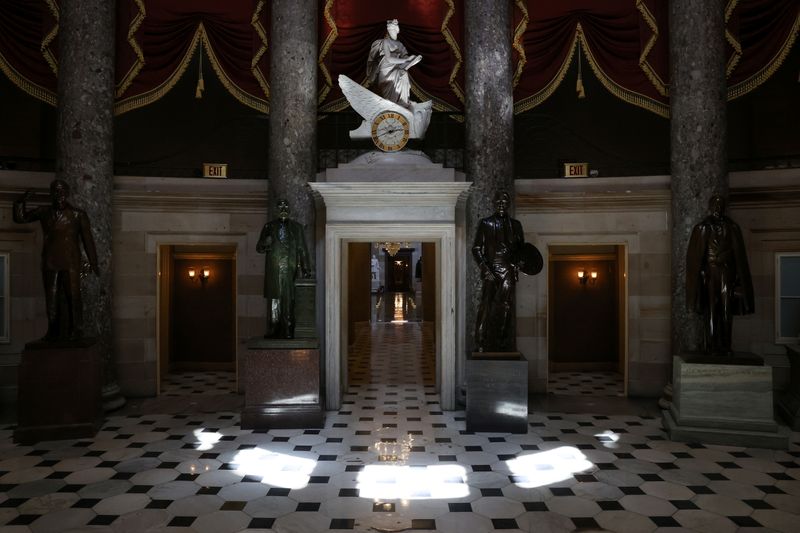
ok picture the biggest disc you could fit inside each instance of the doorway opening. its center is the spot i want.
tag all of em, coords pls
(391, 313)
(197, 319)
(587, 320)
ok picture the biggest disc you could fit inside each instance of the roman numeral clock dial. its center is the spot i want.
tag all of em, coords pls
(390, 131)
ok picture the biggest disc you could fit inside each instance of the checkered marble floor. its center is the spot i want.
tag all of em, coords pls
(392, 353)
(586, 384)
(391, 460)
(183, 383)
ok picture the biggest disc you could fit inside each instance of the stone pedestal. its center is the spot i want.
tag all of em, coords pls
(789, 402)
(718, 402)
(59, 394)
(497, 392)
(282, 384)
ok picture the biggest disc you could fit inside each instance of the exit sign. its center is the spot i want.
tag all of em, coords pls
(215, 170)
(576, 170)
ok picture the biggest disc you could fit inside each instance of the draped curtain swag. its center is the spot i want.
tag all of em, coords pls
(624, 42)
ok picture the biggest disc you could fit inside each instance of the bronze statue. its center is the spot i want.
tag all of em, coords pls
(718, 282)
(65, 228)
(498, 243)
(284, 242)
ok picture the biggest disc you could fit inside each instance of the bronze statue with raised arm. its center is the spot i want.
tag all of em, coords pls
(718, 282)
(497, 248)
(65, 229)
(284, 243)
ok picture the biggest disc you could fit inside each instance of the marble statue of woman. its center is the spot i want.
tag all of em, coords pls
(388, 64)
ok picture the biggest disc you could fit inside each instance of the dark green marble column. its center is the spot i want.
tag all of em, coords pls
(489, 154)
(85, 153)
(698, 135)
(293, 109)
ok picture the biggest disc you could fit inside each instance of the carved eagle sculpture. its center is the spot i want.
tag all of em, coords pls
(368, 104)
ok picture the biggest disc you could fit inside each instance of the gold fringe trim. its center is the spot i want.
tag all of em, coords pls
(262, 34)
(147, 98)
(518, 45)
(744, 87)
(48, 54)
(240, 94)
(535, 99)
(448, 37)
(37, 91)
(620, 92)
(736, 45)
(644, 64)
(134, 44)
(323, 52)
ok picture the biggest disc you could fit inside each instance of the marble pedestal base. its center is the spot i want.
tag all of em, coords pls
(59, 394)
(717, 402)
(789, 401)
(497, 392)
(282, 384)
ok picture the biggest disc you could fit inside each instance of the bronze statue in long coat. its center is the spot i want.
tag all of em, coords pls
(718, 281)
(497, 248)
(284, 243)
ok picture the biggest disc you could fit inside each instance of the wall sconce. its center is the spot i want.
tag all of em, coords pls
(203, 274)
(584, 276)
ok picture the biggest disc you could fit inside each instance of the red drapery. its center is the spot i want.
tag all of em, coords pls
(156, 40)
(623, 42)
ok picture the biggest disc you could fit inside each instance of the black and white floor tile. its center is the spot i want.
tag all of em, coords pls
(586, 384)
(210, 382)
(391, 460)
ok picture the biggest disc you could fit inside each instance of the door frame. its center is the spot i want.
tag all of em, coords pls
(337, 237)
(622, 295)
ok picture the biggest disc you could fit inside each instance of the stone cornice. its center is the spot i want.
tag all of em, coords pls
(390, 194)
(645, 193)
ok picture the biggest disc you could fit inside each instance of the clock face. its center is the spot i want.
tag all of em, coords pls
(390, 131)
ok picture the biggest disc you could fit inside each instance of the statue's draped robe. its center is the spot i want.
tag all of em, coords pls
(392, 79)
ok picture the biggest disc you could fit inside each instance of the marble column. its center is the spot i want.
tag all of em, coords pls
(293, 110)
(698, 135)
(85, 153)
(489, 154)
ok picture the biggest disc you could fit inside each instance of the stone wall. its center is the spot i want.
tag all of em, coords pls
(766, 205)
(151, 212)
(632, 212)
(148, 213)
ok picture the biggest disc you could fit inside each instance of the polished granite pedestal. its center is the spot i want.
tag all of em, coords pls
(59, 391)
(723, 400)
(497, 392)
(789, 401)
(282, 384)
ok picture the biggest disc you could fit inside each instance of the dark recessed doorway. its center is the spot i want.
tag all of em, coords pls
(586, 322)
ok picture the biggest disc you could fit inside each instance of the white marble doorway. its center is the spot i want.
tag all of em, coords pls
(374, 212)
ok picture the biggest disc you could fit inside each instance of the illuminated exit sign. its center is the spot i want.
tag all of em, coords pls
(576, 170)
(215, 170)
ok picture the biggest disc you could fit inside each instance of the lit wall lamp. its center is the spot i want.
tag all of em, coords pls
(584, 276)
(203, 274)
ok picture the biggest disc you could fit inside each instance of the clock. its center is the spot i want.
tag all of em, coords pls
(390, 131)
